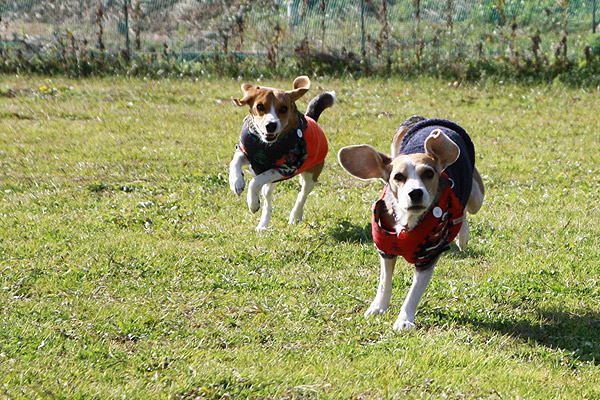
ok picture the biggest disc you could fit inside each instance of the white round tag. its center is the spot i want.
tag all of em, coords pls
(299, 132)
(437, 212)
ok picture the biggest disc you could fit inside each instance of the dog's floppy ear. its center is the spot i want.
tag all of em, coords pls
(439, 146)
(248, 91)
(301, 86)
(365, 162)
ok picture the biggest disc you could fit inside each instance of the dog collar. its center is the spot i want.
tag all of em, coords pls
(431, 237)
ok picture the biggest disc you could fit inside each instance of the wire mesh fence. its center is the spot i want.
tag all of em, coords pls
(381, 32)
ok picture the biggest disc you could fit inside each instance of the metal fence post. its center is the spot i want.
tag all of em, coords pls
(126, 16)
(593, 16)
(362, 28)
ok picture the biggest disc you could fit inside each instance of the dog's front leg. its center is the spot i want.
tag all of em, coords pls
(265, 216)
(236, 176)
(307, 184)
(256, 185)
(384, 291)
(406, 319)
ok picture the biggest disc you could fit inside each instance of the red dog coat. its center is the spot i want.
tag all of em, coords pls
(433, 235)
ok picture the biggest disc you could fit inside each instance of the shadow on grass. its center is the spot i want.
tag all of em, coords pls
(469, 253)
(578, 334)
(347, 232)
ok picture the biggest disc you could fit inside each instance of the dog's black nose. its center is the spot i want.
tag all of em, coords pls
(416, 195)
(271, 126)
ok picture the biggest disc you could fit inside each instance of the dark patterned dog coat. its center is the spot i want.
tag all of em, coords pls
(293, 153)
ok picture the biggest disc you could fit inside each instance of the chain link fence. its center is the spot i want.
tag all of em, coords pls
(378, 32)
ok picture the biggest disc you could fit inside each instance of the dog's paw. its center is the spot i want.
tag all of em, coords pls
(236, 183)
(260, 228)
(295, 217)
(376, 308)
(403, 325)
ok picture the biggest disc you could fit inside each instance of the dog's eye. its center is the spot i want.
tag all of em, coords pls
(260, 107)
(283, 109)
(399, 177)
(428, 174)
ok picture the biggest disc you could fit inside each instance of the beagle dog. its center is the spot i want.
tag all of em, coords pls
(430, 180)
(278, 142)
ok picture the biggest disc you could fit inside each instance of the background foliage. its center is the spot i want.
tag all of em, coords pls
(450, 38)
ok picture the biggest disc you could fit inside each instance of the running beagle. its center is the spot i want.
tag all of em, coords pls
(279, 142)
(430, 180)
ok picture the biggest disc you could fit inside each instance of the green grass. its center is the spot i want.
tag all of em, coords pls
(129, 270)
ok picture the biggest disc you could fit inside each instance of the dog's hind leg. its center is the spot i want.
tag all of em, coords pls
(462, 239)
(265, 217)
(473, 205)
(308, 179)
(406, 319)
(477, 193)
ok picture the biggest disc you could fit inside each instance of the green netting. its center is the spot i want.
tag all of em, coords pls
(353, 29)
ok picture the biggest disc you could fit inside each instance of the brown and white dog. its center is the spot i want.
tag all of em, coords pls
(430, 180)
(278, 142)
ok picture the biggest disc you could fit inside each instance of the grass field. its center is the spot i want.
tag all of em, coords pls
(128, 269)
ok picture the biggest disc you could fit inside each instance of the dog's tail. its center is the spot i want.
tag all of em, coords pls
(319, 104)
(402, 130)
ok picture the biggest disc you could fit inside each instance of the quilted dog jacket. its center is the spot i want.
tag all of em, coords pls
(293, 153)
(422, 245)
